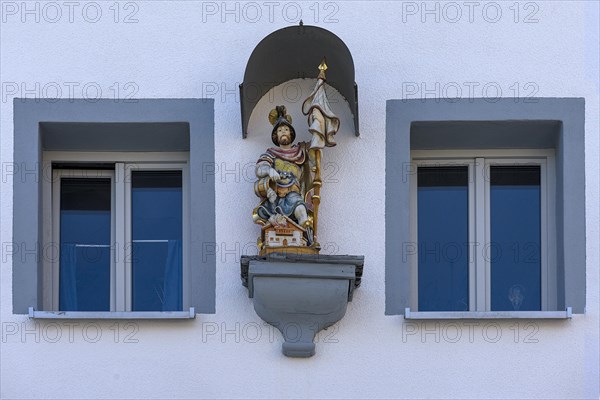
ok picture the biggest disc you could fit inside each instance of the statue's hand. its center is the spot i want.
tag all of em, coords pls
(273, 174)
(271, 195)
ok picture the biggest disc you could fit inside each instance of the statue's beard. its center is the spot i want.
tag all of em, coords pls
(284, 140)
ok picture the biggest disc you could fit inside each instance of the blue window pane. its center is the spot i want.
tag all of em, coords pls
(85, 225)
(156, 207)
(443, 236)
(515, 249)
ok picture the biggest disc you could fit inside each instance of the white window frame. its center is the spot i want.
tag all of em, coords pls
(479, 163)
(57, 176)
(151, 166)
(414, 223)
(125, 163)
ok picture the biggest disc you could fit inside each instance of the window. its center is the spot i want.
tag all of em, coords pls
(444, 138)
(483, 226)
(100, 139)
(83, 226)
(154, 218)
(442, 240)
(120, 232)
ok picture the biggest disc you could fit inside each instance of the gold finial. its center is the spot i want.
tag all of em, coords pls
(322, 68)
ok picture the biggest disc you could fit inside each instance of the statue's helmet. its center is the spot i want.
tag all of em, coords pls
(278, 117)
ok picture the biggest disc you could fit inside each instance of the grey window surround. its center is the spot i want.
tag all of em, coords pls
(106, 125)
(538, 123)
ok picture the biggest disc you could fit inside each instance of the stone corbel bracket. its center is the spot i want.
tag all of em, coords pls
(301, 294)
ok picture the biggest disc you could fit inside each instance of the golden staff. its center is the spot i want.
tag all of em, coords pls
(316, 197)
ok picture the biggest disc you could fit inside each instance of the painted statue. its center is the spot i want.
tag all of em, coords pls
(289, 176)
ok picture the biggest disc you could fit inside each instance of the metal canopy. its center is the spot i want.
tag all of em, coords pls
(295, 52)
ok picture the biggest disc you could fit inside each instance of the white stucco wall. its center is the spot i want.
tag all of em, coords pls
(175, 50)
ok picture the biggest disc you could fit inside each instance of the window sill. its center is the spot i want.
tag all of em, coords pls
(567, 314)
(191, 314)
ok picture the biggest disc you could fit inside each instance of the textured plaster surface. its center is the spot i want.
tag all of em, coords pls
(174, 50)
